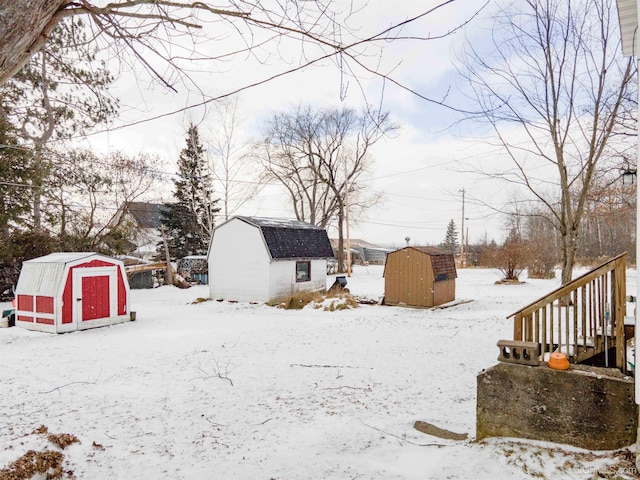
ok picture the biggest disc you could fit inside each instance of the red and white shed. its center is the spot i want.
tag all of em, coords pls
(64, 292)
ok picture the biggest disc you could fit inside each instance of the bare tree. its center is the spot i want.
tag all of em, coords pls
(552, 88)
(541, 245)
(609, 222)
(319, 155)
(510, 259)
(86, 195)
(232, 170)
(171, 38)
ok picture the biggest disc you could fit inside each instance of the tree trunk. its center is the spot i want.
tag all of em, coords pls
(24, 26)
(569, 249)
(168, 274)
(341, 259)
(36, 188)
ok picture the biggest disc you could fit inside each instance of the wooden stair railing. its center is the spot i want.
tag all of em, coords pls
(583, 318)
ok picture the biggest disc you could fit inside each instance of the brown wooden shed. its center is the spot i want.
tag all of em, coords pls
(419, 277)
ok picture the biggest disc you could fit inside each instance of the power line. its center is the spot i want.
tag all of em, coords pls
(251, 182)
(415, 227)
(411, 171)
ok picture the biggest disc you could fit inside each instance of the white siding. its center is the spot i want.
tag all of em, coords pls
(238, 263)
(282, 278)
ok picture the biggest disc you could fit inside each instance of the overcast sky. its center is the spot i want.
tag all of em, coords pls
(418, 171)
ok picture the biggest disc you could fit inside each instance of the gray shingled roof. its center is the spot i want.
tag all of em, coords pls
(292, 238)
(146, 215)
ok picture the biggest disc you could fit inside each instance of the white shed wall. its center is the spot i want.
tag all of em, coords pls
(238, 263)
(282, 278)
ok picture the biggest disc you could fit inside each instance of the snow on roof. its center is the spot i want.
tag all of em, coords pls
(278, 223)
(61, 257)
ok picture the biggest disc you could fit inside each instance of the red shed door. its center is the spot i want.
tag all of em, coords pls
(95, 292)
(95, 297)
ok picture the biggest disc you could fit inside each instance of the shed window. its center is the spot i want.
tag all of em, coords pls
(303, 271)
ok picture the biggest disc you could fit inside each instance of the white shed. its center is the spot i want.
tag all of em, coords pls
(266, 259)
(63, 292)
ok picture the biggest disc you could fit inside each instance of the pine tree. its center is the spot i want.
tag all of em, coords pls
(15, 170)
(450, 243)
(62, 92)
(189, 221)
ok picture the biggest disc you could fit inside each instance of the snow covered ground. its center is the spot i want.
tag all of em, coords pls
(202, 390)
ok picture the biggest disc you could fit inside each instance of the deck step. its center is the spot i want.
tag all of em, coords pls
(584, 353)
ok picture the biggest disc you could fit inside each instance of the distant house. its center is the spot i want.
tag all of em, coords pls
(266, 259)
(363, 252)
(145, 220)
(420, 277)
(64, 292)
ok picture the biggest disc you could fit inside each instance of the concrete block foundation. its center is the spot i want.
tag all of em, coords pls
(587, 407)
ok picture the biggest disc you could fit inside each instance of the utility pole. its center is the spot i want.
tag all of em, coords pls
(462, 261)
(346, 206)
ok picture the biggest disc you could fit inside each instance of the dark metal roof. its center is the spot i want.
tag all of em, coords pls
(292, 238)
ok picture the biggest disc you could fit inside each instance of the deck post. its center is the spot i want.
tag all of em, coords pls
(517, 327)
(619, 311)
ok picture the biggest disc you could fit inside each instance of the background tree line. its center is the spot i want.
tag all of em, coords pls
(532, 243)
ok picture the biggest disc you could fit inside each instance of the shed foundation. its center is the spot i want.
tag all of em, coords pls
(587, 407)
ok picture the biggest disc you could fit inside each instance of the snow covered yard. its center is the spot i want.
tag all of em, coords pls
(199, 390)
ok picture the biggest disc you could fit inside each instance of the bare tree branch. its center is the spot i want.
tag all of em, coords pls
(553, 88)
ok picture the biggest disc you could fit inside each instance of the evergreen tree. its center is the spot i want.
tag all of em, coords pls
(62, 92)
(450, 243)
(14, 174)
(189, 221)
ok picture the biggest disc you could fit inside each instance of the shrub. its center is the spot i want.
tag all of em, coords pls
(335, 299)
(298, 300)
(32, 464)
